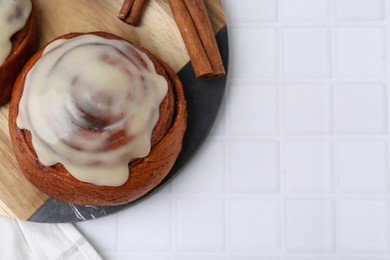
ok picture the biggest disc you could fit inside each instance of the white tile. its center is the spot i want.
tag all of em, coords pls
(308, 167)
(219, 127)
(364, 226)
(191, 181)
(306, 10)
(138, 257)
(311, 257)
(308, 109)
(306, 52)
(253, 11)
(254, 110)
(200, 225)
(362, 166)
(309, 226)
(92, 230)
(254, 167)
(199, 257)
(166, 189)
(105, 255)
(364, 257)
(359, 10)
(365, 59)
(254, 51)
(361, 108)
(146, 227)
(254, 226)
(241, 257)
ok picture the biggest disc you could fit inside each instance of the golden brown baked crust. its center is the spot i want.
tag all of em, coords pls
(145, 173)
(23, 46)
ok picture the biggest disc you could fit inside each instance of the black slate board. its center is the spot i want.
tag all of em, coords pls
(204, 99)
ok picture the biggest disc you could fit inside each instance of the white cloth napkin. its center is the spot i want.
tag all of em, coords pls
(35, 241)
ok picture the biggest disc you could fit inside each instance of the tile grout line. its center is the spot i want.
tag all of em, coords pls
(386, 17)
(119, 220)
(281, 168)
(332, 51)
(171, 224)
(306, 137)
(117, 237)
(292, 195)
(386, 64)
(227, 200)
(250, 82)
(227, 188)
(227, 163)
(386, 50)
(333, 77)
(173, 221)
(344, 24)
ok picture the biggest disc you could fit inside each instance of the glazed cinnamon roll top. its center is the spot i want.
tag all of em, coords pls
(13, 17)
(91, 104)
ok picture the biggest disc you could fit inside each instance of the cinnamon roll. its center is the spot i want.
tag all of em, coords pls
(17, 41)
(96, 120)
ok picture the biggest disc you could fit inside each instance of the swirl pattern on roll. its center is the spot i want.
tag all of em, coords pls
(91, 104)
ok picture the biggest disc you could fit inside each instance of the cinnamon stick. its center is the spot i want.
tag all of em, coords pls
(195, 27)
(131, 11)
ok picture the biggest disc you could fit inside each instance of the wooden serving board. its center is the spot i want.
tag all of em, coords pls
(157, 32)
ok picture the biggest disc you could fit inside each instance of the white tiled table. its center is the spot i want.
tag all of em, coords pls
(297, 165)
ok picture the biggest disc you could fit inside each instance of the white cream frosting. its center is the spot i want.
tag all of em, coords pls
(13, 17)
(94, 85)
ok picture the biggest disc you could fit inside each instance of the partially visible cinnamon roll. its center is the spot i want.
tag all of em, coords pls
(95, 120)
(17, 41)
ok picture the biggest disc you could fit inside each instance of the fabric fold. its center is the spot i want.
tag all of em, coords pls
(27, 240)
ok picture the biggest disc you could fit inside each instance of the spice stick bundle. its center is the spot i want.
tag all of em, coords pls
(195, 27)
(131, 11)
